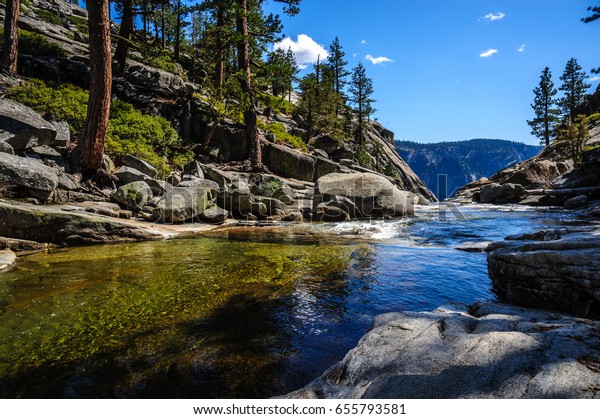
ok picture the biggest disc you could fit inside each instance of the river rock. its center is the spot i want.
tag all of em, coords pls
(561, 274)
(140, 165)
(48, 224)
(182, 204)
(159, 187)
(22, 127)
(576, 202)
(134, 195)
(487, 350)
(501, 194)
(214, 215)
(372, 194)
(38, 179)
(7, 259)
(17, 245)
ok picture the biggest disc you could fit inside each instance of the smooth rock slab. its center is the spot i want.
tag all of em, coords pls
(550, 270)
(487, 350)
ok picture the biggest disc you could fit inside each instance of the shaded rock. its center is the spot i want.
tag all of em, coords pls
(127, 175)
(506, 193)
(212, 187)
(37, 179)
(372, 194)
(320, 153)
(487, 350)
(134, 195)
(325, 143)
(174, 179)
(107, 164)
(67, 181)
(286, 162)
(181, 204)
(541, 201)
(140, 165)
(22, 128)
(154, 78)
(214, 215)
(324, 212)
(17, 245)
(195, 169)
(562, 274)
(324, 167)
(63, 133)
(576, 202)
(47, 224)
(342, 154)
(271, 187)
(159, 187)
(6, 148)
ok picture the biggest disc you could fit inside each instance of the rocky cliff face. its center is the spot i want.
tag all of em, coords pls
(157, 92)
(462, 162)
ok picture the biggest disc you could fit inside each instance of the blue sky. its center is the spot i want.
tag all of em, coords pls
(437, 86)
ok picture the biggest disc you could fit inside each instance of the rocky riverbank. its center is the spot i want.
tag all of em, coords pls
(487, 350)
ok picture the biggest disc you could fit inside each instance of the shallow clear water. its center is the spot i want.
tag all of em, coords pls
(242, 313)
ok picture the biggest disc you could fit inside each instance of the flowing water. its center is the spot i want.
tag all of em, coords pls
(241, 313)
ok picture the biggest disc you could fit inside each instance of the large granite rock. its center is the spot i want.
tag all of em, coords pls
(140, 165)
(134, 196)
(22, 128)
(373, 195)
(47, 224)
(501, 194)
(185, 203)
(30, 175)
(289, 163)
(326, 143)
(484, 351)
(557, 270)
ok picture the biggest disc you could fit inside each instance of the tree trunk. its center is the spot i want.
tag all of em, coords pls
(220, 67)
(250, 119)
(11, 37)
(124, 34)
(177, 31)
(87, 155)
(163, 18)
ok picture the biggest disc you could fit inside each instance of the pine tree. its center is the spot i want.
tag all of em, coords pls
(11, 38)
(361, 91)
(574, 88)
(593, 17)
(87, 155)
(543, 125)
(338, 65)
(125, 31)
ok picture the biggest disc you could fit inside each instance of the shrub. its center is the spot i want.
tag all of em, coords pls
(363, 157)
(32, 43)
(278, 104)
(282, 136)
(49, 16)
(150, 138)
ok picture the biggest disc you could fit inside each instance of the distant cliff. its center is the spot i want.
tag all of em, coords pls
(462, 161)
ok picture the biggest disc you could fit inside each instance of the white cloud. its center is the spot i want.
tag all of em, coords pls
(488, 53)
(363, 42)
(494, 16)
(521, 48)
(306, 50)
(595, 78)
(378, 60)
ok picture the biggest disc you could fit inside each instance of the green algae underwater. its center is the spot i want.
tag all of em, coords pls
(197, 317)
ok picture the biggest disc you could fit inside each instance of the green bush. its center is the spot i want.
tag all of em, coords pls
(363, 157)
(277, 104)
(150, 138)
(32, 43)
(49, 16)
(80, 23)
(282, 136)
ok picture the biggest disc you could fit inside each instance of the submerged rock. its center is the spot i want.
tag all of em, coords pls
(487, 350)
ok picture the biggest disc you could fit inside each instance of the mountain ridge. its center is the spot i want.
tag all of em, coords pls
(462, 161)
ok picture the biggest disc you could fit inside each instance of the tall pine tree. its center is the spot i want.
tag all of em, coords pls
(11, 39)
(574, 88)
(361, 91)
(543, 125)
